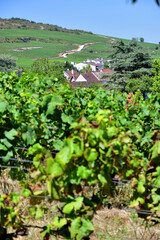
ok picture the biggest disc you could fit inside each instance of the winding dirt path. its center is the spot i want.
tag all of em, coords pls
(69, 52)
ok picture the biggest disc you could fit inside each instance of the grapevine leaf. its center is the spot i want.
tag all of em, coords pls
(51, 108)
(78, 203)
(102, 179)
(68, 208)
(54, 193)
(91, 154)
(59, 222)
(140, 188)
(36, 148)
(156, 198)
(10, 134)
(66, 118)
(29, 138)
(136, 201)
(83, 172)
(78, 145)
(75, 227)
(6, 143)
(2, 106)
(39, 213)
(112, 131)
(39, 192)
(85, 230)
(25, 192)
(156, 150)
(2, 147)
(56, 100)
(15, 198)
(32, 211)
(64, 156)
(54, 168)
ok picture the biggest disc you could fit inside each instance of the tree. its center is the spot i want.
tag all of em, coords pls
(88, 68)
(83, 70)
(129, 58)
(142, 84)
(141, 39)
(69, 66)
(156, 78)
(129, 61)
(134, 39)
(157, 1)
(48, 69)
(7, 63)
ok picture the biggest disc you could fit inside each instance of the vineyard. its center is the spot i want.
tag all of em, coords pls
(67, 147)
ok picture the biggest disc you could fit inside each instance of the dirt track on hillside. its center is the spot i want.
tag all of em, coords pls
(69, 52)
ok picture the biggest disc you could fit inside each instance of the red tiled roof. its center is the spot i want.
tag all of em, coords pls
(72, 73)
(90, 77)
(75, 76)
(107, 70)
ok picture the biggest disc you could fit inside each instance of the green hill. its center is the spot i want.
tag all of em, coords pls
(27, 41)
(19, 23)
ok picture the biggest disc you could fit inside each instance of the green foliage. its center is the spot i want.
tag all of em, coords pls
(22, 44)
(99, 133)
(95, 85)
(88, 68)
(141, 39)
(156, 77)
(7, 63)
(130, 57)
(14, 23)
(143, 84)
(83, 70)
(130, 62)
(46, 68)
(69, 66)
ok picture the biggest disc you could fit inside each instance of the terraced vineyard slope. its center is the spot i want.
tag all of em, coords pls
(27, 41)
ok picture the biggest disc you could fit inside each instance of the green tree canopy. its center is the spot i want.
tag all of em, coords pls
(141, 39)
(48, 69)
(156, 77)
(88, 68)
(129, 61)
(7, 63)
(142, 84)
(129, 58)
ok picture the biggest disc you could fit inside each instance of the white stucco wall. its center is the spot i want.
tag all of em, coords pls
(81, 79)
(80, 66)
(66, 75)
(93, 68)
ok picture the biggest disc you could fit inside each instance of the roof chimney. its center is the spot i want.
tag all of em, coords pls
(72, 72)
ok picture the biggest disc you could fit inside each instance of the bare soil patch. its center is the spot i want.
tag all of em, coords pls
(25, 48)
